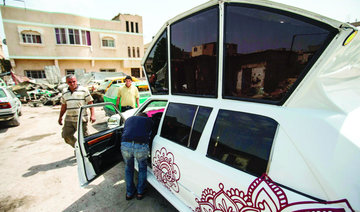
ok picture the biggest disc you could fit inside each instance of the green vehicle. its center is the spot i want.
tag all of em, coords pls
(111, 95)
(2, 83)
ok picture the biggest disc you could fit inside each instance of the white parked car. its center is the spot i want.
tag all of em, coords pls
(257, 106)
(10, 107)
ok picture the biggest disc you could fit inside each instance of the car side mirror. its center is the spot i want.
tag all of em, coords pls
(113, 121)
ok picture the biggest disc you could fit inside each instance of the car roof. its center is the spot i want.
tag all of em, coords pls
(332, 22)
(326, 68)
(114, 78)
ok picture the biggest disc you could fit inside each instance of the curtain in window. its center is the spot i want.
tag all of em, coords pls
(88, 38)
(57, 33)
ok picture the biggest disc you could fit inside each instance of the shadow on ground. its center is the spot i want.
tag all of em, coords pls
(109, 195)
(70, 161)
(36, 137)
(4, 126)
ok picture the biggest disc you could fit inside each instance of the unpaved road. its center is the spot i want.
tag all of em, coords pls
(38, 172)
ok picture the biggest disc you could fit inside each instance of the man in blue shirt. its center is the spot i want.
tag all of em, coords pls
(135, 144)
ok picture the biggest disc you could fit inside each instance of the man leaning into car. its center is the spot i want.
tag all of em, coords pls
(135, 145)
(71, 100)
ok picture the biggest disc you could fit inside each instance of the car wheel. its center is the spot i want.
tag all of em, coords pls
(15, 121)
(19, 113)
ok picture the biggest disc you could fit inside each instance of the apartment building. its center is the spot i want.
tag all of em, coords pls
(36, 39)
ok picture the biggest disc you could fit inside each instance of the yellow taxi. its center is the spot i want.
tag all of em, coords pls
(117, 80)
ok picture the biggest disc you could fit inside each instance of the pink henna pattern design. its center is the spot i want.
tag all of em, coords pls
(166, 170)
(263, 196)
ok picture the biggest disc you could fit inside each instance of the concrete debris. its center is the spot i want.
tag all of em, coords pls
(52, 74)
(48, 91)
(37, 93)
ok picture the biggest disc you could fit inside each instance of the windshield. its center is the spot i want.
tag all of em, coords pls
(104, 85)
(112, 91)
(2, 93)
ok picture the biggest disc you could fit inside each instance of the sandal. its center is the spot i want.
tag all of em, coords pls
(139, 196)
(129, 197)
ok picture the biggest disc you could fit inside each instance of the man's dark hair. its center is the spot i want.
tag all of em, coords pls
(142, 114)
(128, 77)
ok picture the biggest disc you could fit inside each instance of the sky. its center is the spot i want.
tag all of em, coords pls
(156, 12)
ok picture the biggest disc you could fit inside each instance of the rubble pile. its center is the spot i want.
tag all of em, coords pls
(48, 91)
(36, 93)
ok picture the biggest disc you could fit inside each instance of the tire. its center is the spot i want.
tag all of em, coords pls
(19, 113)
(15, 121)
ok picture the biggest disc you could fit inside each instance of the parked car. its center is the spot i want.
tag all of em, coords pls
(2, 83)
(257, 106)
(10, 107)
(104, 86)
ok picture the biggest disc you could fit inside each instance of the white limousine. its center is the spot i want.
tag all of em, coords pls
(257, 108)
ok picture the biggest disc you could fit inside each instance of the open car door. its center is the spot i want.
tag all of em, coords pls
(98, 145)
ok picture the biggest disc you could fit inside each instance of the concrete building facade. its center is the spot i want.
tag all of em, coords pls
(36, 39)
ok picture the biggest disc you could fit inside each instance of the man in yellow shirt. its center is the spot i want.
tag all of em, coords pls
(128, 94)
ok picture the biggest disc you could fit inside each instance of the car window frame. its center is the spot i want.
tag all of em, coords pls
(270, 153)
(164, 33)
(215, 96)
(195, 118)
(332, 33)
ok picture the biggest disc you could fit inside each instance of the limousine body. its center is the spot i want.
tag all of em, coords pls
(257, 108)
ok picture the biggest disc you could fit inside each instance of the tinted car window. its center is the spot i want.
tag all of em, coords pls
(184, 123)
(242, 140)
(156, 67)
(199, 124)
(194, 46)
(266, 53)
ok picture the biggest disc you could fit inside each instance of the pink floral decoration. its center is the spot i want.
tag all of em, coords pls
(263, 195)
(165, 169)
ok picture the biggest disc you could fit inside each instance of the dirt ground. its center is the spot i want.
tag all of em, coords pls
(39, 173)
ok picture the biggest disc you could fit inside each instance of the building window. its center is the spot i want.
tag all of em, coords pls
(195, 73)
(135, 72)
(35, 74)
(72, 36)
(60, 34)
(138, 51)
(266, 53)
(108, 42)
(77, 36)
(184, 124)
(242, 140)
(88, 39)
(31, 37)
(156, 66)
(107, 70)
(69, 71)
(136, 27)
(83, 37)
(132, 26)
(133, 51)
(127, 26)
(129, 51)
